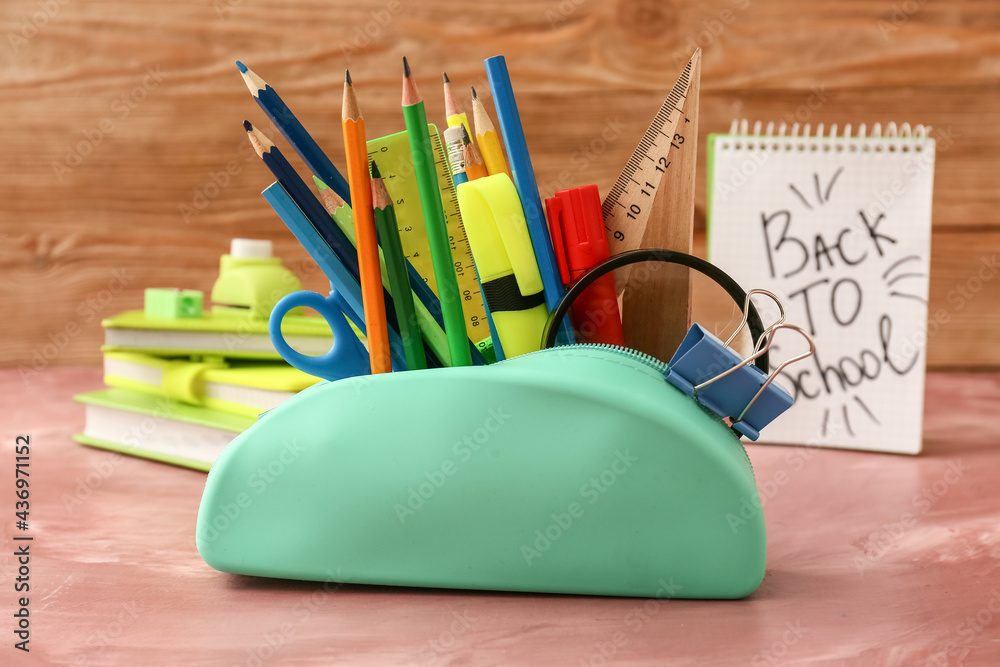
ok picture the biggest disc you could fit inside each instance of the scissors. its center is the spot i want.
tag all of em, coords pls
(346, 358)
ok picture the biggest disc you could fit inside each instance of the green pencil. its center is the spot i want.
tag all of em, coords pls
(437, 229)
(395, 265)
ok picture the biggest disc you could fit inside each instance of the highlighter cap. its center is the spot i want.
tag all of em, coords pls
(576, 224)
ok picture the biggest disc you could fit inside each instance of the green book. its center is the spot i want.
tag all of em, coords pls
(157, 428)
(218, 335)
(241, 387)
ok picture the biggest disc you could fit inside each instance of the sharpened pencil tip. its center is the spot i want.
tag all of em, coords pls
(466, 139)
(406, 68)
(446, 79)
(474, 96)
(375, 171)
(241, 67)
(347, 77)
(248, 126)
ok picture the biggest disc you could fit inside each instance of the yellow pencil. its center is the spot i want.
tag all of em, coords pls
(486, 137)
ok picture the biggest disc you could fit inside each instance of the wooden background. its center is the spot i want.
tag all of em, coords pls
(118, 115)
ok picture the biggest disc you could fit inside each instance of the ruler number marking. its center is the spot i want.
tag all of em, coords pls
(653, 149)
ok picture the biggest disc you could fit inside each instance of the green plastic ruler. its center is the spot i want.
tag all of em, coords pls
(392, 154)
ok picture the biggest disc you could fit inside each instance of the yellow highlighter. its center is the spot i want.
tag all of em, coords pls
(505, 262)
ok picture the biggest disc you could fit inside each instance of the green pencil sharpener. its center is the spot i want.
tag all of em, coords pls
(172, 303)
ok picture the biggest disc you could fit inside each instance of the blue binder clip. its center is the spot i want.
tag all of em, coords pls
(701, 356)
(731, 386)
(769, 400)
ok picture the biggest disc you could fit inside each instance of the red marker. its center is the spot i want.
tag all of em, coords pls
(577, 228)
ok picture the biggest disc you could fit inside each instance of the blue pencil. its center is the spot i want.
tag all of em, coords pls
(338, 242)
(329, 263)
(294, 132)
(423, 292)
(303, 196)
(523, 175)
(318, 249)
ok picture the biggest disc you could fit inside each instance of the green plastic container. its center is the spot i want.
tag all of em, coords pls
(577, 469)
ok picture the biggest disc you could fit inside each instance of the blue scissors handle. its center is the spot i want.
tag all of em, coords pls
(347, 357)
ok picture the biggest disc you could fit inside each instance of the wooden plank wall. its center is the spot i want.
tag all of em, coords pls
(120, 120)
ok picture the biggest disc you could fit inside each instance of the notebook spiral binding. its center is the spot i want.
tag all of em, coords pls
(799, 137)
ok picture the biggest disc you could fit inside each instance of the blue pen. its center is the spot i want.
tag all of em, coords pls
(523, 175)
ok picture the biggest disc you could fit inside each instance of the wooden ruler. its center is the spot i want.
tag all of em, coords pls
(651, 205)
(395, 162)
(630, 200)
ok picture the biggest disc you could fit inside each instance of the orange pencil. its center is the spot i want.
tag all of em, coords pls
(359, 178)
(474, 167)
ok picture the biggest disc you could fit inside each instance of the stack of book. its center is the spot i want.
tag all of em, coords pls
(182, 384)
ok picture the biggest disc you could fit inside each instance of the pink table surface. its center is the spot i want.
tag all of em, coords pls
(872, 560)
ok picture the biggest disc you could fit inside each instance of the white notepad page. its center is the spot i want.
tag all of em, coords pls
(839, 227)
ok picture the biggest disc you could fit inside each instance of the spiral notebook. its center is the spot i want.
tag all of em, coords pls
(838, 224)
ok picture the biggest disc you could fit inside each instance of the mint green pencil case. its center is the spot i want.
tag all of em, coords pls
(576, 469)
